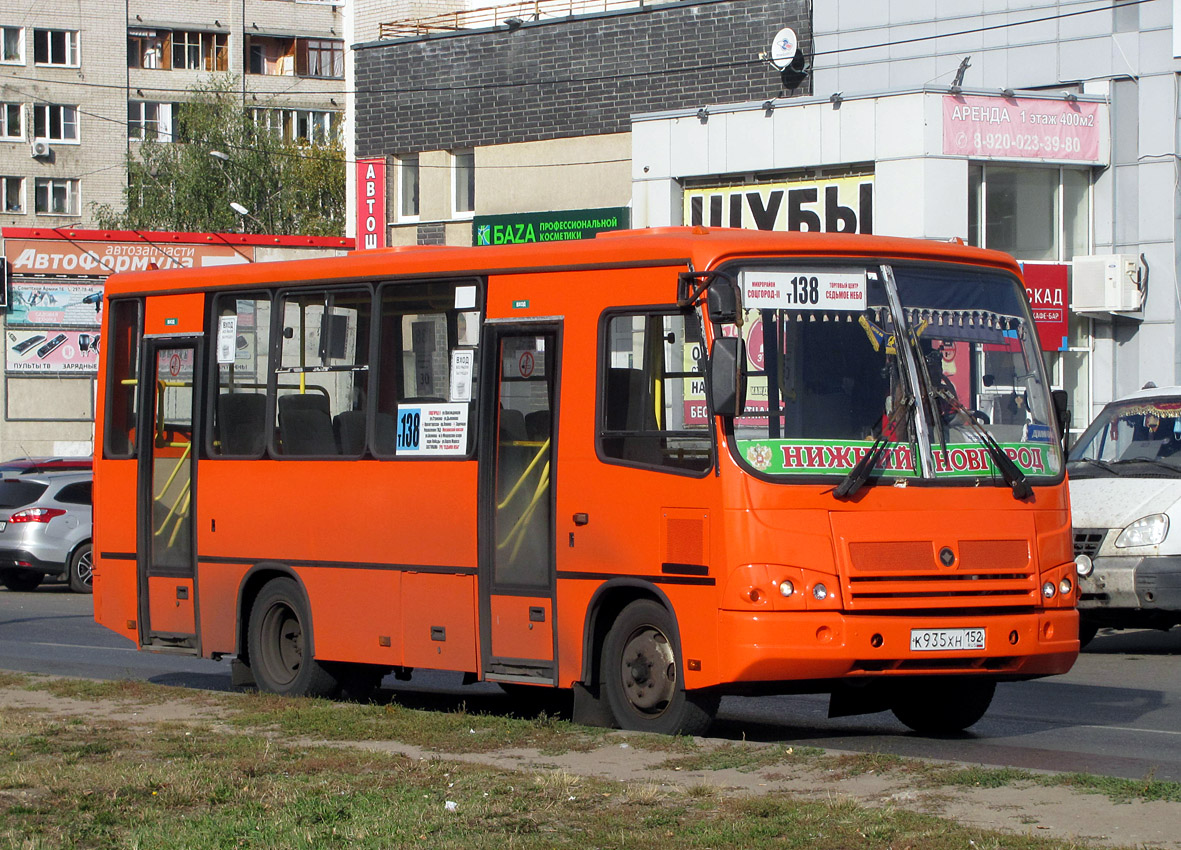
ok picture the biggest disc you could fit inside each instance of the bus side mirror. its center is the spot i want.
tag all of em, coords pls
(727, 380)
(1061, 414)
(722, 301)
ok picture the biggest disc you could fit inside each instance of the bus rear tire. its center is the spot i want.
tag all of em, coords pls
(280, 634)
(942, 706)
(641, 676)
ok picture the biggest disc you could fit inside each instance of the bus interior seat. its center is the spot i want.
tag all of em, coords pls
(241, 423)
(512, 425)
(537, 425)
(305, 425)
(349, 430)
(626, 410)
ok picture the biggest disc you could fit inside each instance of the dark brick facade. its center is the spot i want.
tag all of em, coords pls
(573, 77)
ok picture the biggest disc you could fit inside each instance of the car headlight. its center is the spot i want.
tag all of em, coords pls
(1146, 531)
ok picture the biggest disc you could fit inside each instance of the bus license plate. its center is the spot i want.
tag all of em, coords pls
(936, 640)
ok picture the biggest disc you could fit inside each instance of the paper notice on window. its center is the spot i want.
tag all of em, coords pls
(432, 429)
(227, 339)
(462, 362)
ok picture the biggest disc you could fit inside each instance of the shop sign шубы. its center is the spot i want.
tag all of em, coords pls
(834, 205)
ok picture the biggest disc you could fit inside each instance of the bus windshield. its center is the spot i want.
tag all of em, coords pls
(828, 380)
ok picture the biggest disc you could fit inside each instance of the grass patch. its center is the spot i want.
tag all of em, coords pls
(169, 786)
(743, 757)
(447, 731)
(122, 691)
(1119, 790)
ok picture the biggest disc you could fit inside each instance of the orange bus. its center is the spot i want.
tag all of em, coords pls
(653, 468)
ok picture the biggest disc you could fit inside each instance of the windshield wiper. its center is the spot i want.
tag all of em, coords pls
(1152, 460)
(861, 471)
(1012, 473)
(1102, 464)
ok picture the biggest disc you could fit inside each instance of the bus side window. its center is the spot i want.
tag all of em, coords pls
(322, 379)
(427, 356)
(242, 322)
(122, 351)
(653, 409)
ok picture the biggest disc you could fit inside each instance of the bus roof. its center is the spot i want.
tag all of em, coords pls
(699, 247)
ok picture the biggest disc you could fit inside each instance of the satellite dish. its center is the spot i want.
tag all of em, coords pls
(784, 47)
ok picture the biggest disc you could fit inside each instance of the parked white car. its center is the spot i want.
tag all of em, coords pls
(1125, 496)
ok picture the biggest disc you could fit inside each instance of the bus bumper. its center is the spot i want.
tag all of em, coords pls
(793, 646)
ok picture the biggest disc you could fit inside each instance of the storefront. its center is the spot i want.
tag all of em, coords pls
(53, 317)
(1013, 171)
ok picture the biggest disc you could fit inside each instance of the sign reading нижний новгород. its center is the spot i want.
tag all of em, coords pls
(556, 226)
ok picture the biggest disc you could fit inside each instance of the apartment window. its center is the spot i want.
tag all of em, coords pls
(14, 194)
(310, 125)
(12, 45)
(147, 49)
(57, 197)
(408, 178)
(321, 57)
(149, 120)
(270, 56)
(463, 181)
(55, 47)
(200, 51)
(12, 122)
(55, 123)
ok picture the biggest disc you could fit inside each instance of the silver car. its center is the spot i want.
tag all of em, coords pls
(45, 528)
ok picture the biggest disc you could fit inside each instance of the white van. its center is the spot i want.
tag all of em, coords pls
(1125, 497)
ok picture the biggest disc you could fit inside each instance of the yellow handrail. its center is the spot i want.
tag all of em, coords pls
(537, 457)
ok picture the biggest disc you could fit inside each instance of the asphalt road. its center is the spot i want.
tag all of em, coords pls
(1117, 713)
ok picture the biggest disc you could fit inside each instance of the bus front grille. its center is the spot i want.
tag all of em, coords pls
(911, 574)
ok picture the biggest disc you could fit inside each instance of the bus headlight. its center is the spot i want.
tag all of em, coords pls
(1065, 586)
(1146, 531)
(1048, 590)
(786, 588)
(819, 592)
(1083, 565)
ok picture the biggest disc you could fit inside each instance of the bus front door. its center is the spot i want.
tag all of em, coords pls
(166, 558)
(517, 503)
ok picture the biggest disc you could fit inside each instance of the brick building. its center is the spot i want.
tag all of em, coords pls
(532, 114)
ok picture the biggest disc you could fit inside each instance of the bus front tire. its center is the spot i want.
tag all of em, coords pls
(942, 706)
(641, 676)
(280, 634)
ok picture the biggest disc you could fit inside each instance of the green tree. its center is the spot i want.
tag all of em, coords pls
(288, 186)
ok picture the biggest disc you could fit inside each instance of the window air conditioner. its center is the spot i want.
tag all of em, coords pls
(40, 149)
(1108, 283)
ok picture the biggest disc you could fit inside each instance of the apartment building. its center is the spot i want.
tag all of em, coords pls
(82, 82)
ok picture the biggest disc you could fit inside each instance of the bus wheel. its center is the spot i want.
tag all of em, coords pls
(641, 676)
(278, 637)
(21, 580)
(942, 706)
(82, 569)
(1087, 629)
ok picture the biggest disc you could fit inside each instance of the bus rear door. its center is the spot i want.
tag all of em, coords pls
(517, 502)
(167, 496)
